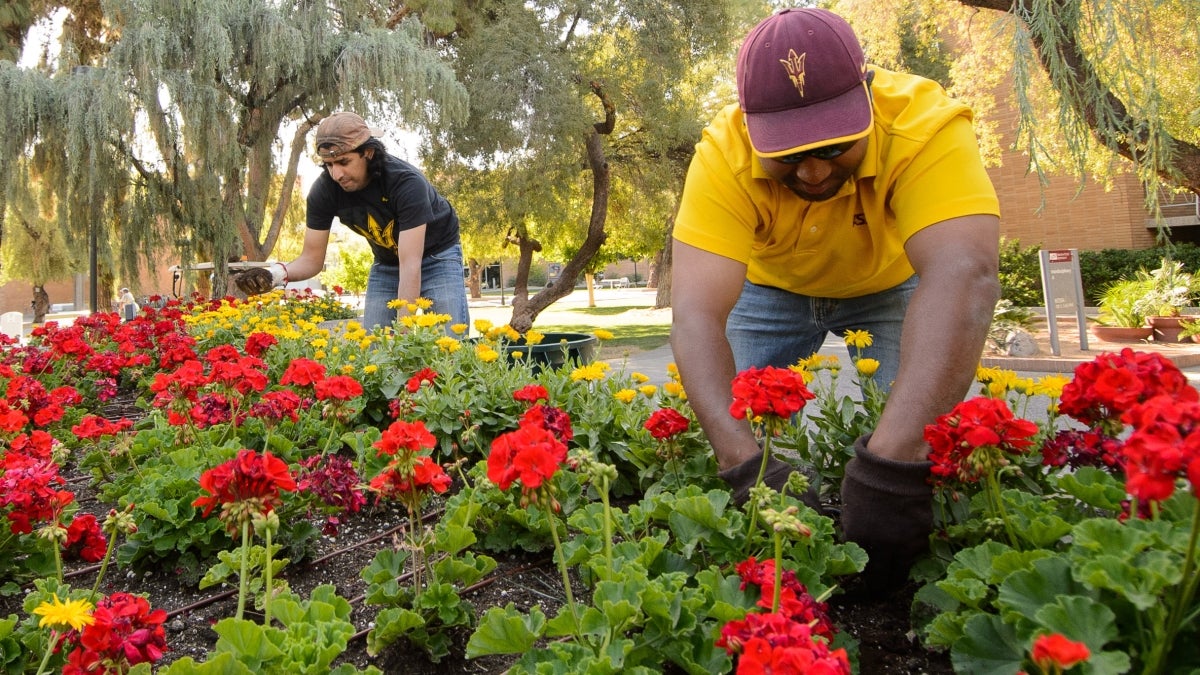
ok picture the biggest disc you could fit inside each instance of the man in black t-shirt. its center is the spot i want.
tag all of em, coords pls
(412, 229)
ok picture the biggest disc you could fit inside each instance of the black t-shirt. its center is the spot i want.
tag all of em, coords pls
(399, 198)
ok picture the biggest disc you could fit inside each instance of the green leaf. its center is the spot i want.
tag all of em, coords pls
(248, 642)
(506, 631)
(1024, 593)
(988, 647)
(1086, 620)
(391, 624)
(1094, 487)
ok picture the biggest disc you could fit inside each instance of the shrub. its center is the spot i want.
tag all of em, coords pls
(1020, 274)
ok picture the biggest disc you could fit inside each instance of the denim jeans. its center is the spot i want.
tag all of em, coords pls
(772, 327)
(441, 282)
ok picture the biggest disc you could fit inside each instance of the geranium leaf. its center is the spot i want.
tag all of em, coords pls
(248, 642)
(1024, 593)
(506, 631)
(988, 647)
(1087, 620)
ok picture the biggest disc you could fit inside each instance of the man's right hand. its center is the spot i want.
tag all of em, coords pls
(254, 281)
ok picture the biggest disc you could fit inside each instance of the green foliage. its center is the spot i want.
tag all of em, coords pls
(352, 270)
(1099, 269)
(1020, 274)
(312, 633)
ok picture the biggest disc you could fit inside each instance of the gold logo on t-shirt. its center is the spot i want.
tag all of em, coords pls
(795, 69)
(383, 235)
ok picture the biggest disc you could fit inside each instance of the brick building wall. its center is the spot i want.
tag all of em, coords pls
(1090, 219)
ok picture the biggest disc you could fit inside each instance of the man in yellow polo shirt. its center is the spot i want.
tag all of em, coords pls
(836, 196)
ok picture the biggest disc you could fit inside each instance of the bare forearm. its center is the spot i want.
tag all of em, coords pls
(706, 367)
(939, 353)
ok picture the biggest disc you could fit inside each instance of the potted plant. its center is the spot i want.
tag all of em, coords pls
(1122, 316)
(1170, 290)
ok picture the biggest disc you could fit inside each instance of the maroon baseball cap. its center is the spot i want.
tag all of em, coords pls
(802, 82)
(341, 132)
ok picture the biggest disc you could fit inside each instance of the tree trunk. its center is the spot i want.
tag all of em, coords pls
(662, 270)
(474, 276)
(526, 309)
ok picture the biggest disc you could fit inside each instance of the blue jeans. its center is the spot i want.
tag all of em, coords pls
(441, 282)
(772, 327)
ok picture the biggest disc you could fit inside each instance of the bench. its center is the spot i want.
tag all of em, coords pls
(620, 282)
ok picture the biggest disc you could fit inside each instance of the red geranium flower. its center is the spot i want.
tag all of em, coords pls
(93, 427)
(1055, 650)
(971, 441)
(1164, 446)
(303, 373)
(666, 423)
(247, 484)
(85, 538)
(422, 375)
(338, 388)
(125, 632)
(531, 454)
(401, 435)
(552, 419)
(1111, 384)
(258, 343)
(425, 473)
(778, 392)
(531, 393)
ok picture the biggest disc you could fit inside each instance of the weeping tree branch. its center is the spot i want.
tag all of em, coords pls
(1078, 82)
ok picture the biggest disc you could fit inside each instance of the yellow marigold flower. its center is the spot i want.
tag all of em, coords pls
(984, 375)
(532, 337)
(486, 353)
(406, 321)
(591, 372)
(673, 371)
(517, 354)
(1023, 385)
(858, 339)
(648, 390)
(424, 303)
(673, 389)
(483, 326)
(625, 395)
(458, 328)
(448, 344)
(57, 614)
(639, 378)
(320, 343)
(996, 389)
(398, 304)
(510, 333)
(319, 354)
(1050, 385)
(347, 369)
(866, 367)
(602, 334)
(370, 368)
(431, 320)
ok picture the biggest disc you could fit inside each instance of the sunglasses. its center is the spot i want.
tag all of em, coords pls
(824, 152)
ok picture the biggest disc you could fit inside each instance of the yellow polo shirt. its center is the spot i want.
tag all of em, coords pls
(922, 166)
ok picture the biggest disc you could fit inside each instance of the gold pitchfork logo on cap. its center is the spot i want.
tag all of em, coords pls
(795, 69)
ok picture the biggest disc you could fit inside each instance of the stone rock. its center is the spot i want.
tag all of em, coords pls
(1020, 342)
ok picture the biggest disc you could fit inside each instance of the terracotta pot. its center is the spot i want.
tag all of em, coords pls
(1121, 333)
(1167, 328)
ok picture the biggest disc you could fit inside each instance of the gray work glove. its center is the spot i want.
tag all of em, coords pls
(887, 508)
(742, 477)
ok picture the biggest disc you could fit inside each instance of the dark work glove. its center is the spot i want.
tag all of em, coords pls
(742, 477)
(254, 281)
(887, 508)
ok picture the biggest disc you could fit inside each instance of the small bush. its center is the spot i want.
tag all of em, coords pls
(1020, 274)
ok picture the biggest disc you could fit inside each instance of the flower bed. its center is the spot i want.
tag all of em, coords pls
(259, 435)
